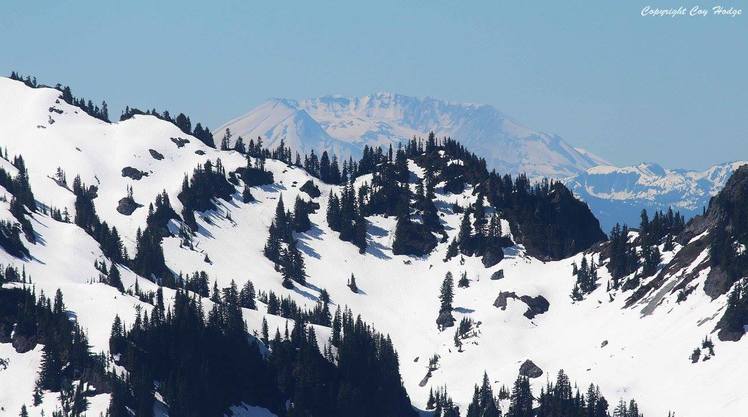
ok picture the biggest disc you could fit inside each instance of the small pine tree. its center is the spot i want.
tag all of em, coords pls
(247, 296)
(452, 250)
(265, 331)
(464, 282)
(446, 296)
(352, 284)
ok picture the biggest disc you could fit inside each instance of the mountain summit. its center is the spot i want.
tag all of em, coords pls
(346, 124)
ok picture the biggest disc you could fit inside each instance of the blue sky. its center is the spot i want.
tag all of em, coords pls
(629, 88)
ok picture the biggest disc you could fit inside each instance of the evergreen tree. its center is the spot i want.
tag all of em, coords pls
(247, 296)
(352, 284)
(520, 402)
(465, 234)
(114, 279)
(446, 296)
(479, 213)
(301, 222)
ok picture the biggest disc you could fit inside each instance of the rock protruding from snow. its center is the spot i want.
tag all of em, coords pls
(492, 256)
(497, 275)
(530, 370)
(535, 305)
(156, 154)
(133, 173)
(311, 189)
(127, 206)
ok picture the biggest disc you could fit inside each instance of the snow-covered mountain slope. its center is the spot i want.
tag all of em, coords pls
(617, 195)
(639, 350)
(348, 123)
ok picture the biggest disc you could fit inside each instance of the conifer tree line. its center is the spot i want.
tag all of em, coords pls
(19, 185)
(538, 210)
(625, 259)
(390, 195)
(346, 215)
(22, 202)
(101, 113)
(204, 365)
(483, 236)
(325, 167)
(10, 239)
(181, 121)
(281, 246)
(109, 276)
(149, 260)
(286, 307)
(67, 366)
(208, 181)
(552, 221)
(586, 275)
(87, 219)
(559, 399)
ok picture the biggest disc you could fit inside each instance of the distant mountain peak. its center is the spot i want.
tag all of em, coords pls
(346, 124)
(618, 194)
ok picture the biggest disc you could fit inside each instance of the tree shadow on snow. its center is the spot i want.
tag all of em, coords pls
(301, 290)
(274, 187)
(376, 249)
(375, 230)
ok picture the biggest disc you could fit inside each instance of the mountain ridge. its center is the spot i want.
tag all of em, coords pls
(618, 194)
(385, 118)
(597, 337)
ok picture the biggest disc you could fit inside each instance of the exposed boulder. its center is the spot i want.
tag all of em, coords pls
(127, 206)
(133, 173)
(530, 370)
(180, 142)
(535, 305)
(492, 256)
(501, 300)
(311, 189)
(156, 155)
(497, 275)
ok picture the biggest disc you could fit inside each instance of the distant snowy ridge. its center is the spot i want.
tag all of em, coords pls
(346, 124)
(618, 194)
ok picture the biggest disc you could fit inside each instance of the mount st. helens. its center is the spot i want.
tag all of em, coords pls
(346, 124)
(625, 328)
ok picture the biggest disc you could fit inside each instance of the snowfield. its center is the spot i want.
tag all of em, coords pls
(640, 352)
